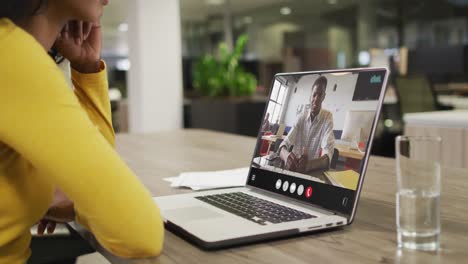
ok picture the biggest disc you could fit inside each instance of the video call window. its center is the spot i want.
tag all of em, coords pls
(316, 129)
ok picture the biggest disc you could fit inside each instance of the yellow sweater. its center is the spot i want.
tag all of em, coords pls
(53, 137)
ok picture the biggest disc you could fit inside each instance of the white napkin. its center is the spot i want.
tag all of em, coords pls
(203, 180)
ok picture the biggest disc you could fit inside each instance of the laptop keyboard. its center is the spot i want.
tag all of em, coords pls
(254, 209)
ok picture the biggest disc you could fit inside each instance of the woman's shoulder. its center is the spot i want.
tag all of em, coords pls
(21, 52)
(26, 69)
(6, 26)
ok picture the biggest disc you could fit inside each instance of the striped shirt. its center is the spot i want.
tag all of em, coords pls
(311, 136)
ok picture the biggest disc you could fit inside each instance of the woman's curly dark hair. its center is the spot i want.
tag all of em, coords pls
(20, 9)
(17, 10)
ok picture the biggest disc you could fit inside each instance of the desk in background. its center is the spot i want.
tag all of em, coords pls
(272, 139)
(451, 126)
(348, 152)
(371, 239)
(458, 102)
(457, 88)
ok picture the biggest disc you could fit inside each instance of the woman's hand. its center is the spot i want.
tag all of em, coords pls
(80, 42)
(60, 211)
(44, 225)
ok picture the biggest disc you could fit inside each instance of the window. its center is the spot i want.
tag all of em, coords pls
(277, 98)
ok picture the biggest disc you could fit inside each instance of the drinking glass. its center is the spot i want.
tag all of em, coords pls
(418, 192)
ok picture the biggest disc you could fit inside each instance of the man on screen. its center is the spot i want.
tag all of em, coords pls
(310, 143)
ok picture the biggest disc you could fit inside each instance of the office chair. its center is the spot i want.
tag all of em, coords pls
(416, 94)
(265, 145)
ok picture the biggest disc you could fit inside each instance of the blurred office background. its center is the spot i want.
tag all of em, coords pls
(153, 51)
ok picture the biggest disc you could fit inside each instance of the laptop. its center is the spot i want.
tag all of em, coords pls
(285, 194)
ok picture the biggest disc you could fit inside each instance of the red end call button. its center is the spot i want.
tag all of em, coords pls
(308, 193)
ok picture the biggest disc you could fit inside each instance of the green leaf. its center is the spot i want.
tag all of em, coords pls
(224, 76)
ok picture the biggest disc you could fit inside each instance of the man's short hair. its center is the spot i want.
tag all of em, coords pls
(321, 82)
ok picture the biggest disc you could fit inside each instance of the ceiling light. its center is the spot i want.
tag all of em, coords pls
(332, 2)
(364, 58)
(285, 11)
(123, 27)
(214, 2)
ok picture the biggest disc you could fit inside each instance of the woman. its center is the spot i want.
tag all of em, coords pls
(54, 138)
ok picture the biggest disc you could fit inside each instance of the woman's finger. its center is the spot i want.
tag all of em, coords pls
(94, 37)
(66, 31)
(51, 227)
(79, 32)
(41, 226)
(88, 26)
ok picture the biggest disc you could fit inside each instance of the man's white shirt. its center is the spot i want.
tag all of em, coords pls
(311, 136)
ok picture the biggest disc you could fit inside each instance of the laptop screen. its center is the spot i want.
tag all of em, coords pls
(315, 136)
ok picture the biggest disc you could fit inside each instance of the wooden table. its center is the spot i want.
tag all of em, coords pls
(371, 239)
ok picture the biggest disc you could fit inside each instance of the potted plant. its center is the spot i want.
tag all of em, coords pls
(226, 89)
(223, 76)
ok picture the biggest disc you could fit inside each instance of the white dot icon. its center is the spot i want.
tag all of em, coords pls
(292, 189)
(278, 184)
(300, 190)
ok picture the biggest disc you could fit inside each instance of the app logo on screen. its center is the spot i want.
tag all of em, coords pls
(376, 79)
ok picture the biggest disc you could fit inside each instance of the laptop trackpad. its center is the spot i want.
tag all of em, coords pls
(193, 213)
